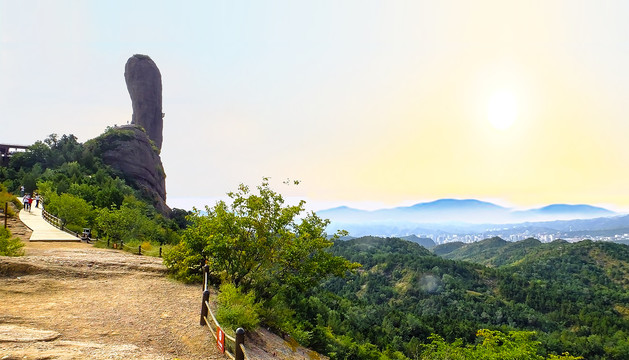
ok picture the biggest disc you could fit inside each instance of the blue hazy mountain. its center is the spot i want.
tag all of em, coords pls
(462, 216)
(467, 211)
(439, 211)
(563, 210)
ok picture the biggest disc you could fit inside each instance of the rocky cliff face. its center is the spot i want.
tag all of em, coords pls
(128, 150)
(144, 82)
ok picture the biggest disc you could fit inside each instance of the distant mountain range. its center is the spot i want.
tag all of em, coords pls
(465, 216)
(468, 211)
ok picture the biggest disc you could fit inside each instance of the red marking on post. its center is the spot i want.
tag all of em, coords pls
(220, 339)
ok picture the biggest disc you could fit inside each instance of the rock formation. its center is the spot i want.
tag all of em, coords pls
(128, 150)
(134, 149)
(144, 83)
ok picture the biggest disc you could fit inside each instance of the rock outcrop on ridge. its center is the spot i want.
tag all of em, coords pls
(144, 82)
(129, 150)
(133, 150)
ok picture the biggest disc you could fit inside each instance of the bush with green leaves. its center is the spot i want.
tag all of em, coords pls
(259, 244)
(134, 223)
(183, 263)
(7, 198)
(9, 245)
(74, 212)
(236, 309)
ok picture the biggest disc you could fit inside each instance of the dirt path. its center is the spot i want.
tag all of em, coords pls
(98, 304)
(70, 300)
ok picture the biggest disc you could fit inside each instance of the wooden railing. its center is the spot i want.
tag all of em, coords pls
(56, 222)
(239, 352)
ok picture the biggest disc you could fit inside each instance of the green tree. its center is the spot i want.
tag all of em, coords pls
(261, 246)
(111, 224)
(131, 223)
(70, 209)
(258, 243)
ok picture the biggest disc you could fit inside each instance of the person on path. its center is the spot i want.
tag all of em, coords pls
(30, 203)
(36, 200)
(22, 191)
(25, 202)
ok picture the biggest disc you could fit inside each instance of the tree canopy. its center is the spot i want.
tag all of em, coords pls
(258, 243)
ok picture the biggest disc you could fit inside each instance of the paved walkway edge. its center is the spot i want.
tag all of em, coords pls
(42, 230)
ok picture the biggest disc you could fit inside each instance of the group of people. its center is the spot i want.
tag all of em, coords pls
(28, 201)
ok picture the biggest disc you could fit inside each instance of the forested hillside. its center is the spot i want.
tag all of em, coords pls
(581, 287)
(491, 252)
(574, 296)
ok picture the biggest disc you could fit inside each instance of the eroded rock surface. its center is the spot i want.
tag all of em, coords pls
(129, 150)
(16, 333)
(144, 83)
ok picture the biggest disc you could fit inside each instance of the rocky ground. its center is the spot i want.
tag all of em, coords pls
(74, 301)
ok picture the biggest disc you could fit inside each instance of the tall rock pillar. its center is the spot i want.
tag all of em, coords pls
(144, 83)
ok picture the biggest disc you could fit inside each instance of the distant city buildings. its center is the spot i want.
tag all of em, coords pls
(543, 237)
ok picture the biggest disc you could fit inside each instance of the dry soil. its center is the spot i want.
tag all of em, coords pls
(74, 301)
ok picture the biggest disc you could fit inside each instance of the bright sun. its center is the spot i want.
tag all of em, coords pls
(502, 110)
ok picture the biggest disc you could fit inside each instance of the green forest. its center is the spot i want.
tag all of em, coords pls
(365, 298)
(572, 296)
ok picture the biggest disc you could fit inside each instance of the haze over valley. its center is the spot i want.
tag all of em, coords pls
(469, 220)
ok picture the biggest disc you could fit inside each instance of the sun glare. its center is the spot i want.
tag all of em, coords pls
(502, 110)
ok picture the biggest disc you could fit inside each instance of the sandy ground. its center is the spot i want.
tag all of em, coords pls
(104, 304)
(74, 301)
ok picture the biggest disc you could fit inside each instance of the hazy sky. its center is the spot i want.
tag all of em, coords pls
(367, 103)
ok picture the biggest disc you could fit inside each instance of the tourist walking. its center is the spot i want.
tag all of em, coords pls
(36, 200)
(26, 203)
(30, 203)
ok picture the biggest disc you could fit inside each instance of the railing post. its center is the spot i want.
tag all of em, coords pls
(206, 271)
(204, 309)
(240, 339)
(206, 295)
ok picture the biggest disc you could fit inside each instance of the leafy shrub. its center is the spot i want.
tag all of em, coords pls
(278, 315)
(73, 211)
(5, 197)
(182, 263)
(10, 246)
(236, 309)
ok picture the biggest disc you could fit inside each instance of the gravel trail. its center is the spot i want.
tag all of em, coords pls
(97, 304)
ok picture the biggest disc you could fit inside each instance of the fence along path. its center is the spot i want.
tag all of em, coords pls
(238, 351)
(42, 230)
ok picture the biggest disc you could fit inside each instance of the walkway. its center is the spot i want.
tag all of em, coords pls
(43, 231)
